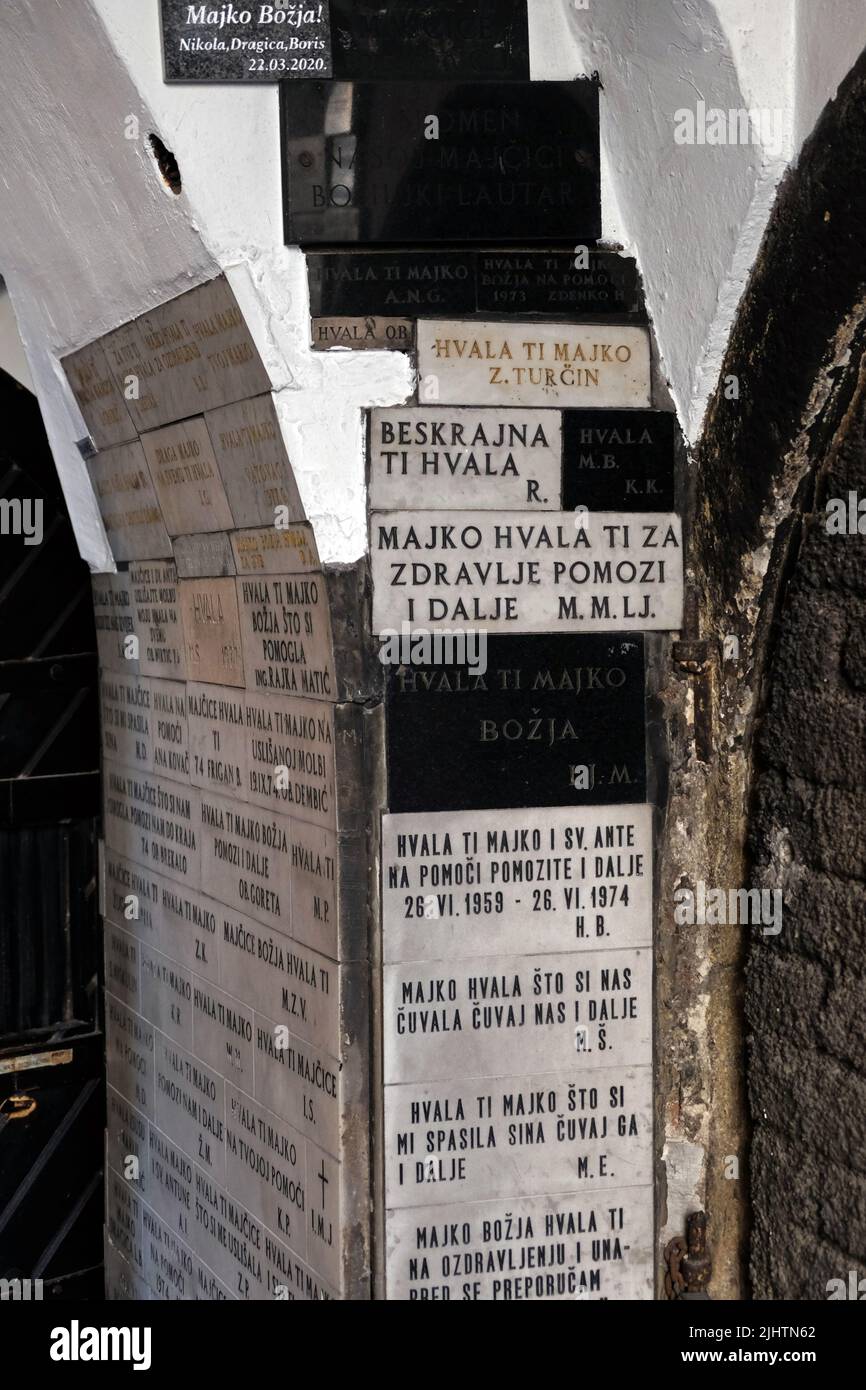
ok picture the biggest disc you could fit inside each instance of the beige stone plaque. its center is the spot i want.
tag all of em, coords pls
(253, 463)
(575, 366)
(206, 556)
(128, 504)
(429, 457)
(286, 635)
(189, 355)
(209, 611)
(186, 479)
(276, 550)
(362, 333)
(156, 613)
(101, 403)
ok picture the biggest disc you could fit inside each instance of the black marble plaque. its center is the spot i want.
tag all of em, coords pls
(618, 460)
(397, 163)
(402, 284)
(245, 42)
(434, 283)
(414, 39)
(563, 284)
(554, 721)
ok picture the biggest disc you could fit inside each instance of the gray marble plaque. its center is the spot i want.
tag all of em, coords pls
(300, 1082)
(276, 550)
(315, 888)
(467, 883)
(517, 1136)
(494, 1015)
(522, 572)
(185, 478)
(123, 1212)
(247, 859)
(122, 1283)
(253, 463)
(535, 1248)
(114, 617)
(428, 457)
(126, 1137)
(190, 1106)
(212, 633)
(128, 504)
(171, 918)
(167, 994)
(289, 983)
(286, 636)
(204, 556)
(129, 1054)
(191, 354)
(153, 821)
(122, 962)
(290, 757)
(169, 729)
(570, 365)
(127, 719)
(223, 1033)
(99, 400)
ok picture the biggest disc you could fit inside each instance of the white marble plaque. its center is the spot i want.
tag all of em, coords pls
(467, 883)
(129, 1054)
(299, 1082)
(495, 1015)
(190, 1105)
(518, 1136)
(247, 859)
(522, 572)
(533, 364)
(167, 917)
(153, 821)
(525, 1250)
(430, 458)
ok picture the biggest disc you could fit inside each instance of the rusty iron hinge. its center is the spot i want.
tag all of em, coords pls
(689, 1267)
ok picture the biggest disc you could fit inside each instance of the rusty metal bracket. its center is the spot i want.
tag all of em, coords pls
(689, 1266)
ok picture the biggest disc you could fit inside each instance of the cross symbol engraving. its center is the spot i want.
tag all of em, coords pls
(324, 1181)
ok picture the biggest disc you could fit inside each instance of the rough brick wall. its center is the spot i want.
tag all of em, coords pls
(806, 995)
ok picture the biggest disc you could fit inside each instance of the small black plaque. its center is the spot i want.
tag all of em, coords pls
(393, 163)
(405, 284)
(245, 42)
(518, 735)
(618, 460)
(414, 39)
(439, 283)
(565, 284)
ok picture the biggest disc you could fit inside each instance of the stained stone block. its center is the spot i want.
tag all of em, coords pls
(212, 632)
(157, 619)
(253, 463)
(185, 478)
(291, 550)
(286, 635)
(99, 399)
(114, 617)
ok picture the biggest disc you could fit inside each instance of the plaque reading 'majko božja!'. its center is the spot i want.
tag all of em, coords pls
(400, 163)
(251, 42)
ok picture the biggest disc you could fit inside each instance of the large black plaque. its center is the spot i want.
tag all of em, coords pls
(394, 163)
(414, 39)
(618, 460)
(438, 283)
(519, 735)
(245, 42)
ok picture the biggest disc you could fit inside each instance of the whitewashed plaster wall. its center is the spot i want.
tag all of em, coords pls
(90, 237)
